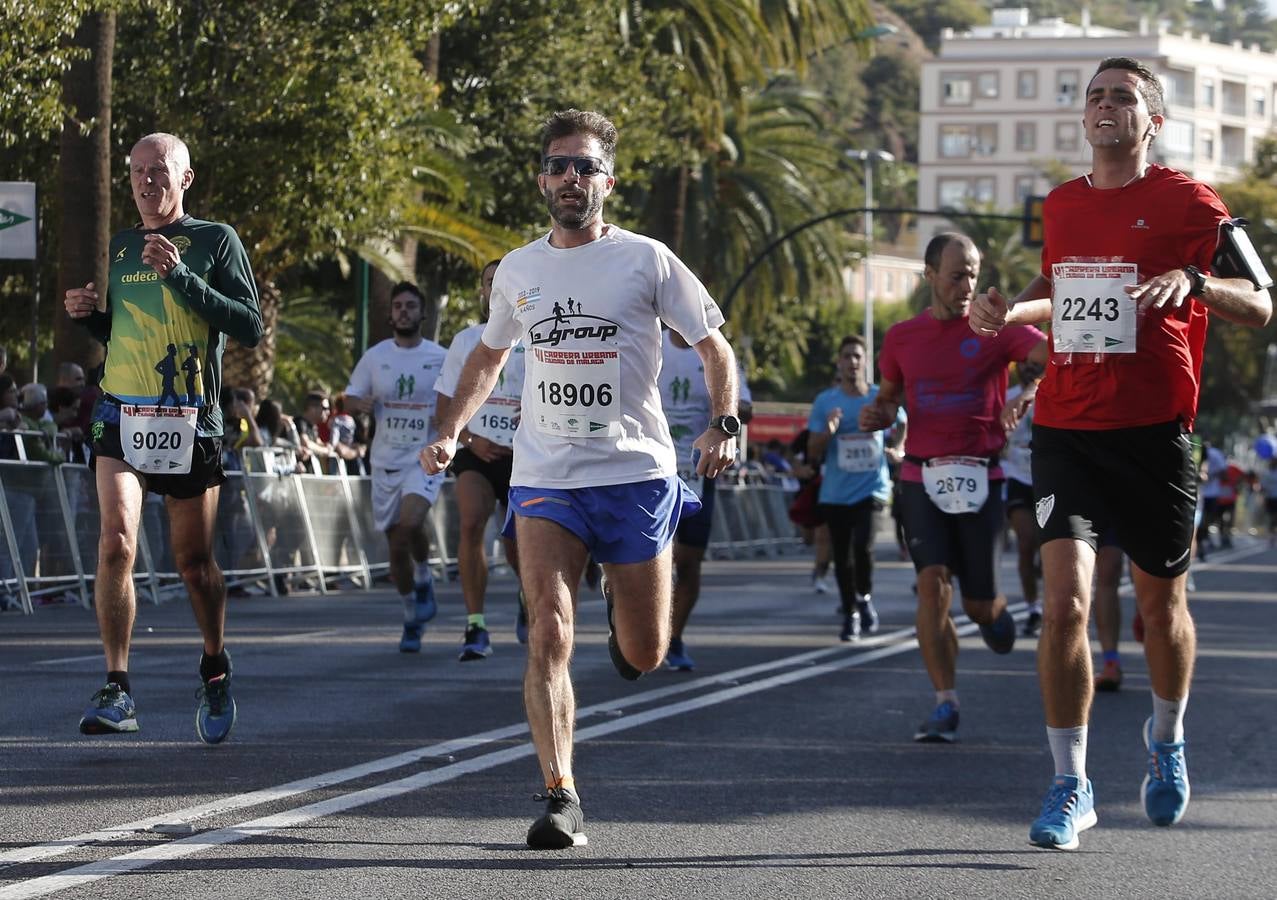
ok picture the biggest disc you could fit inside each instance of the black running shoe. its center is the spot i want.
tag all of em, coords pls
(868, 616)
(560, 827)
(1033, 624)
(623, 667)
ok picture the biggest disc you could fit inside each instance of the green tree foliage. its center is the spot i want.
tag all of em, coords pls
(34, 53)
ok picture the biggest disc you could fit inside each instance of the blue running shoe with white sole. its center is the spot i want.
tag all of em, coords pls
(941, 727)
(678, 658)
(476, 645)
(1067, 811)
(1165, 789)
(215, 716)
(426, 607)
(111, 711)
(411, 640)
(1000, 636)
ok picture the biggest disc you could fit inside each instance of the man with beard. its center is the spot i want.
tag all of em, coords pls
(594, 465)
(396, 381)
(1124, 285)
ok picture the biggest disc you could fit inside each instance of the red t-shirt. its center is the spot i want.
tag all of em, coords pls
(955, 385)
(1164, 221)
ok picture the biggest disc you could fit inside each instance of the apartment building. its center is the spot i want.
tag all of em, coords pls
(1001, 99)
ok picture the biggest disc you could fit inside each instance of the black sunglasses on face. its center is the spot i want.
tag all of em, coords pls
(585, 166)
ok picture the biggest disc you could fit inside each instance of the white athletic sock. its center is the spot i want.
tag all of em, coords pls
(1068, 749)
(1168, 720)
(409, 607)
(951, 696)
(421, 572)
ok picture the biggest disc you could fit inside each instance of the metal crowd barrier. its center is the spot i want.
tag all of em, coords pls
(276, 527)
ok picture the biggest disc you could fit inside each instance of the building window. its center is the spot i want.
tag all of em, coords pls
(1066, 138)
(1024, 187)
(1177, 85)
(1026, 136)
(955, 90)
(1259, 104)
(965, 141)
(1234, 97)
(1208, 93)
(987, 85)
(1176, 139)
(1208, 146)
(1026, 84)
(962, 193)
(1067, 85)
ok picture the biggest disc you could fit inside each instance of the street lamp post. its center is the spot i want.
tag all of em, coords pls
(867, 159)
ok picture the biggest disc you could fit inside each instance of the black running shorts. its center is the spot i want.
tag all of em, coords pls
(1019, 495)
(206, 464)
(497, 473)
(966, 543)
(1140, 482)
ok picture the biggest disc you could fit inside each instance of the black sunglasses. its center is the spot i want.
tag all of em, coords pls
(585, 166)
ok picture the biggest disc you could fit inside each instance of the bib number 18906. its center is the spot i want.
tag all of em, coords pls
(569, 394)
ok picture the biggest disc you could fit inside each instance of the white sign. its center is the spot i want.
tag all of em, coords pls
(17, 220)
(1090, 309)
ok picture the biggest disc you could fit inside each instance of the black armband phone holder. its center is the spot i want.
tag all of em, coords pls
(1236, 257)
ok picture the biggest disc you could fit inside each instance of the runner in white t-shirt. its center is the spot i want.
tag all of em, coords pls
(396, 380)
(594, 466)
(685, 398)
(1017, 418)
(482, 469)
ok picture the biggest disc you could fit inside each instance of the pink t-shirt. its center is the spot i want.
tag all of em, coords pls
(955, 385)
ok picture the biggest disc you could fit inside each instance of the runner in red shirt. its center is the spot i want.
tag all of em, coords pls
(953, 386)
(1122, 283)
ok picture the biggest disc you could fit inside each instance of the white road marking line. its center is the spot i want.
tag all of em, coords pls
(178, 849)
(269, 795)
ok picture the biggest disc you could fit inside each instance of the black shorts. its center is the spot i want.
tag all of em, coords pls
(497, 473)
(206, 464)
(1139, 482)
(1019, 495)
(693, 531)
(966, 543)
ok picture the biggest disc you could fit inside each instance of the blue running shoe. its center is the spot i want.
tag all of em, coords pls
(1165, 789)
(411, 640)
(111, 711)
(476, 644)
(1000, 636)
(941, 727)
(521, 623)
(1067, 811)
(677, 657)
(216, 714)
(424, 594)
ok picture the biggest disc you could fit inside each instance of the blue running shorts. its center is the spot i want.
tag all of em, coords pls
(618, 523)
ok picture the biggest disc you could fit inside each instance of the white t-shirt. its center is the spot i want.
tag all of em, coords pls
(499, 416)
(400, 381)
(590, 319)
(685, 397)
(1016, 459)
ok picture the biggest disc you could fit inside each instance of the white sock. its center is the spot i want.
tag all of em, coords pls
(421, 572)
(950, 695)
(1068, 749)
(409, 607)
(1168, 720)
(1036, 607)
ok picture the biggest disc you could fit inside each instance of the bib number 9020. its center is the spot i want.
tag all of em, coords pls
(555, 393)
(157, 440)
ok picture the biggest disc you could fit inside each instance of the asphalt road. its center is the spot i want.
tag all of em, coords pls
(782, 767)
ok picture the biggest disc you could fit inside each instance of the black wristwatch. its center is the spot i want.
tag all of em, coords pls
(729, 425)
(1196, 280)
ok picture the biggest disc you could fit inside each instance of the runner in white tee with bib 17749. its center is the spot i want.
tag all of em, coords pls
(594, 466)
(396, 381)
